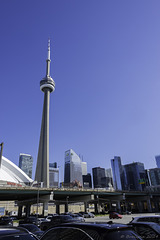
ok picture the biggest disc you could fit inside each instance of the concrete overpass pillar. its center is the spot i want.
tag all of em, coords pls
(97, 207)
(28, 209)
(66, 204)
(57, 208)
(118, 206)
(20, 211)
(45, 208)
(85, 206)
(66, 207)
(156, 205)
(140, 206)
(149, 205)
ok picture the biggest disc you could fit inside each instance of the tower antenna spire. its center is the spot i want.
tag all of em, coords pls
(49, 49)
(48, 60)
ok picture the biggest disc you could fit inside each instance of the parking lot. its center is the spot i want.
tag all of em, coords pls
(125, 218)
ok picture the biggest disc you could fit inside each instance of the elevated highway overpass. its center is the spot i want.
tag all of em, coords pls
(26, 196)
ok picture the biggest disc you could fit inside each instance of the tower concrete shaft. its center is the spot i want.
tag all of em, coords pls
(47, 85)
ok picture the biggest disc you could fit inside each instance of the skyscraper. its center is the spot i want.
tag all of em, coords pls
(135, 176)
(118, 173)
(84, 168)
(47, 85)
(26, 163)
(154, 176)
(87, 180)
(53, 175)
(98, 177)
(158, 161)
(72, 169)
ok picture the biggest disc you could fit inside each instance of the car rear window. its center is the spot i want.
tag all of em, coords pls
(149, 219)
(123, 234)
(146, 232)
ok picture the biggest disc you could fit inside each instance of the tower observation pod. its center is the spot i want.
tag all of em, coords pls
(47, 85)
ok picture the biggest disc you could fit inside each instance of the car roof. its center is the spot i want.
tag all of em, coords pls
(144, 223)
(12, 230)
(99, 226)
(152, 216)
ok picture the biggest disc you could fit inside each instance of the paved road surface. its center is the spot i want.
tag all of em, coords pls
(125, 218)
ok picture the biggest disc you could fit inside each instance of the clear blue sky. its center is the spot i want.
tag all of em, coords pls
(106, 65)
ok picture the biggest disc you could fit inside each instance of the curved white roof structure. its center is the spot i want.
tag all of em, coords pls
(12, 174)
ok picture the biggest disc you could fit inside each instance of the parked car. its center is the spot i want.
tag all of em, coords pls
(48, 218)
(147, 230)
(153, 218)
(77, 217)
(84, 214)
(70, 231)
(115, 215)
(6, 220)
(16, 233)
(91, 215)
(31, 219)
(33, 229)
(126, 213)
(56, 220)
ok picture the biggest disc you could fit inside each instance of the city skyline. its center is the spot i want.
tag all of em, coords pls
(105, 59)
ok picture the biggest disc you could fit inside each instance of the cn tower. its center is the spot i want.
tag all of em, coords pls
(47, 85)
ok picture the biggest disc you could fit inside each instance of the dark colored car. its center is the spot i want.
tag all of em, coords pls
(115, 215)
(5, 220)
(15, 233)
(31, 219)
(56, 220)
(85, 214)
(91, 231)
(77, 217)
(147, 230)
(126, 213)
(33, 229)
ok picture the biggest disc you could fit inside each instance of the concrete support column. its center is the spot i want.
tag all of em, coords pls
(66, 207)
(149, 205)
(140, 206)
(20, 211)
(97, 207)
(57, 208)
(118, 206)
(45, 208)
(85, 206)
(156, 206)
(28, 209)
(66, 204)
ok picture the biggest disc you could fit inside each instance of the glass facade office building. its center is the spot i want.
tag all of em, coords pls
(136, 175)
(72, 168)
(26, 163)
(118, 173)
(98, 177)
(157, 161)
(154, 176)
(53, 175)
